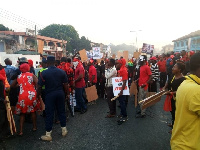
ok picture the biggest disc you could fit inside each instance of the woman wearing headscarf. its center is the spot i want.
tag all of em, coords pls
(27, 102)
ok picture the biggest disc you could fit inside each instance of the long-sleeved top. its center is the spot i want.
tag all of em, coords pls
(155, 72)
(109, 74)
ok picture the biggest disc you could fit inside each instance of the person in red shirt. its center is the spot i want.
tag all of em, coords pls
(92, 73)
(122, 72)
(79, 84)
(144, 80)
(162, 70)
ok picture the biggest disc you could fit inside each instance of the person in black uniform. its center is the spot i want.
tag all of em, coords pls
(54, 80)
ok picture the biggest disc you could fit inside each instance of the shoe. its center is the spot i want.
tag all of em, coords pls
(47, 137)
(83, 111)
(110, 116)
(122, 120)
(119, 116)
(140, 116)
(170, 125)
(64, 131)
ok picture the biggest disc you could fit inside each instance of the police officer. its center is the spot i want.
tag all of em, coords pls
(54, 80)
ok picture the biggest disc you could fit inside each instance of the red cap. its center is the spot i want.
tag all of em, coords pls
(192, 53)
(171, 56)
(153, 58)
(91, 60)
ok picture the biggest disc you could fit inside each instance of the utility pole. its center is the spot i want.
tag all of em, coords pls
(136, 39)
(36, 40)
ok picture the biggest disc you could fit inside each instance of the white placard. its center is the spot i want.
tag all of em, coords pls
(117, 86)
(96, 53)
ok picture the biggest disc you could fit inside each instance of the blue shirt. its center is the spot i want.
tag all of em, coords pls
(53, 79)
(10, 71)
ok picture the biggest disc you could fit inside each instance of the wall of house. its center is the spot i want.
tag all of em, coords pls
(14, 58)
(40, 46)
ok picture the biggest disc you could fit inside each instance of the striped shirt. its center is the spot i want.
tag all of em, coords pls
(155, 72)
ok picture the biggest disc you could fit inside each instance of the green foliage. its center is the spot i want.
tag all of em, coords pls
(68, 33)
(65, 32)
(3, 28)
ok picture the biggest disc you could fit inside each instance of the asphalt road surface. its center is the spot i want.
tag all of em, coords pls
(92, 131)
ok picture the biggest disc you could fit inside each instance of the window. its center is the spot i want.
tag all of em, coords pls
(182, 43)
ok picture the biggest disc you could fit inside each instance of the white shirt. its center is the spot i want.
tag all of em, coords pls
(109, 74)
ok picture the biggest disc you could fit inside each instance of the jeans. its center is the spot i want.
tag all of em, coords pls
(122, 102)
(55, 100)
(79, 98)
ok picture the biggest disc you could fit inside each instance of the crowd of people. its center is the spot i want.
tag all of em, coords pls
(49, 90)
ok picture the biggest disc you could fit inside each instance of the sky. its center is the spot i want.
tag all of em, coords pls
(110, 21)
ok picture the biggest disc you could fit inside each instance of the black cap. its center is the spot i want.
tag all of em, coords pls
(44, 60)
(23, 60)
(50, 58)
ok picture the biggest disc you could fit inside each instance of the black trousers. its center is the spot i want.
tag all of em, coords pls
(163, 78)
(173, 104)
(153, 87)
(111, 104)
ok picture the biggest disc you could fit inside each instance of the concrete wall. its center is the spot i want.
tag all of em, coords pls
(14, 58)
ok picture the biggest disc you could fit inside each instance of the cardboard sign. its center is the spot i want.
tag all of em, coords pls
(125, 56)
(136, 54)
(83, 55)
(113, 56)
(91, 93)
(134, 91)
(117, 86)
(119, 54)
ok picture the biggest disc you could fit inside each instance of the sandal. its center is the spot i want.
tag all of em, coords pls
(110, 116)
(20, 134)
(34, 129)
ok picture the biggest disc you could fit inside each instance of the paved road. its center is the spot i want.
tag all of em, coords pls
(92, 131)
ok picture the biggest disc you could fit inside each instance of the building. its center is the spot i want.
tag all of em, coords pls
(11, 42)
(188, 42)
(167, 48)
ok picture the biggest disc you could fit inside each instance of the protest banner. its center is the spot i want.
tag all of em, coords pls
(96, 53)
(91, 93)
(147, 48)
(117, 86)
(125, 56)
(83, 55)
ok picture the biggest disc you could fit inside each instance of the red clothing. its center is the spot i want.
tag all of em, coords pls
(79, 70)
(145, 72)
(123, 73)
(92, 72)
(162, 65)
(68, 70)
(27, 96)
(185, 58)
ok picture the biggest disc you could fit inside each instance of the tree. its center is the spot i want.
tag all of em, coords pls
(68, 33)
(123, 47)
(62, 32)
(3, 28)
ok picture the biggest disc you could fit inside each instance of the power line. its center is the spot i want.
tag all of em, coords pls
(19, 20)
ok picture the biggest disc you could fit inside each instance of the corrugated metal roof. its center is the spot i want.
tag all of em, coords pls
(192, 34)
(26, 52)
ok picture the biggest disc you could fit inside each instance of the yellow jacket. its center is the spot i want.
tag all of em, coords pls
(186, 130)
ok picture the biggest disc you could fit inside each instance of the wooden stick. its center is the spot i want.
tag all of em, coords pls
(114, 98)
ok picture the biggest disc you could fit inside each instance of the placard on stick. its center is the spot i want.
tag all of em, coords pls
(125, 55)
(119, 54)
(83, 55)
(136, 54)
(91, 93)
(134, 91)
